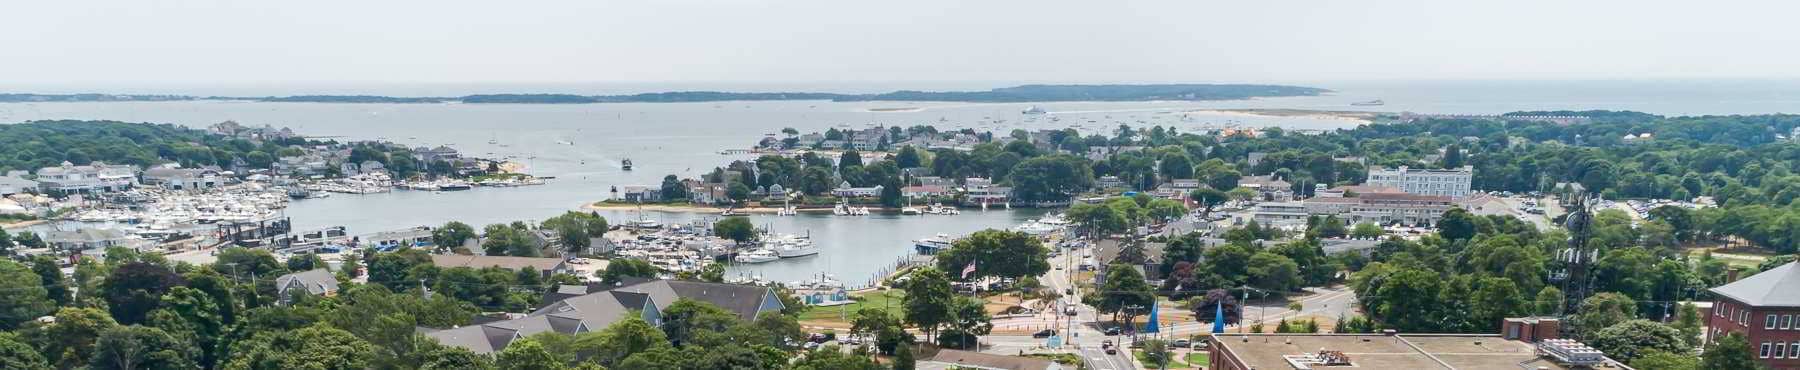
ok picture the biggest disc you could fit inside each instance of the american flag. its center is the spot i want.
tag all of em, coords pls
(968, 270)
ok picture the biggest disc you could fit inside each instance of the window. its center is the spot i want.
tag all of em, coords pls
(1787, 321)
(1764, 353)
(1769, 321)
(1794, 349)
(1780, 350)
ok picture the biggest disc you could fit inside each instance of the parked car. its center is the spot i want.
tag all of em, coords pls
(1112, 331)
(1183, 343)
(1046, 333)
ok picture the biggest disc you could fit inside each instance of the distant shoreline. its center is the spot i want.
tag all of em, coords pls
(1016, 94)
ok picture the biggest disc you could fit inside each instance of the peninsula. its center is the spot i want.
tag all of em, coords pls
(1016, 94)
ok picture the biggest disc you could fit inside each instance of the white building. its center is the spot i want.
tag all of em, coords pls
(94, 178)
(1453, 183)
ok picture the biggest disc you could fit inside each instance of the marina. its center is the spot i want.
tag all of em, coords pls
(689, 143)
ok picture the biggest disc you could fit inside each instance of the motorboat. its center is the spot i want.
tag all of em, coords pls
(911, 211)
(756, 256)
(791, 246)
(625, 164)
(933, 244)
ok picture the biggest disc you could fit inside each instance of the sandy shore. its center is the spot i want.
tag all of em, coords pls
(692, 208)
(1364, 117)
(22, 224)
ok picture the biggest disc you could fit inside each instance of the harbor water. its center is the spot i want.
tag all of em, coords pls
(582, 145)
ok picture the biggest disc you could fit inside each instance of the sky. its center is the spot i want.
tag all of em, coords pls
(135, 44)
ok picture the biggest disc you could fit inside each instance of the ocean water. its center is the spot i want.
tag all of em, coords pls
(582, 145)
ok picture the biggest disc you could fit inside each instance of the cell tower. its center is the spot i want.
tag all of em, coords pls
(1576, 261)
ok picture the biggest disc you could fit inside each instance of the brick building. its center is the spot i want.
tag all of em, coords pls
(1766, 308)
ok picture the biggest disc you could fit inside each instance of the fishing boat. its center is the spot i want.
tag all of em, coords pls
(933, 244)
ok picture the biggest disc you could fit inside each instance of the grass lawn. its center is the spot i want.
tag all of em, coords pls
(889, 299)
(1193, 360)
(1197, 359)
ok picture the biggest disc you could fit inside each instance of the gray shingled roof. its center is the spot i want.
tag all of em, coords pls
(1778, 287)
(316, 281)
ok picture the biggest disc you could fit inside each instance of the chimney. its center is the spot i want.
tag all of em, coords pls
(1731, 275)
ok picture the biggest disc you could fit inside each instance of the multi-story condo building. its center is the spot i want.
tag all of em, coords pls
(93, 178)
(1765, 308)
(1451, 182)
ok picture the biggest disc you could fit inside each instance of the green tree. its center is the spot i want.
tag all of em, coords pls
(928, 301)
(831, 358)
(1548, 302)
(737, 229)
(908, 157)
(1604, 310)
(1050, 178)
(6, 244)
(1731, 351)
(453, 234)
(192, 316)
(15, 354)
(1007, 254)
(1366, 230)
(1098, 220)
(526, 354)
(1687, 321)
(25, 297)
(1495, 300)
(1457, 224)
(1124, 293)
(620, 268)
(1273, 272)
(315, 347)
(1630, 340)
(141, 347)
(1208, 198)
(134, 289)
(626, 337)
(1667, 361)
(576, 230)
(673, 189)
(69, 341)
(903, 359)
(738, 192)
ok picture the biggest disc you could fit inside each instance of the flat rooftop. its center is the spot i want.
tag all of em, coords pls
(1375, 351)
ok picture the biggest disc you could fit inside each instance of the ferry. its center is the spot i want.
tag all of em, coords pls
(1371, 103)
(933, 244)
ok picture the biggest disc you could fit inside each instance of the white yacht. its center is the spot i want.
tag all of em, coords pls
(911, 211)
(790, 246)
(756, 256)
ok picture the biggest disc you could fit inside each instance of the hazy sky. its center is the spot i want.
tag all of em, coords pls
(143, 43)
